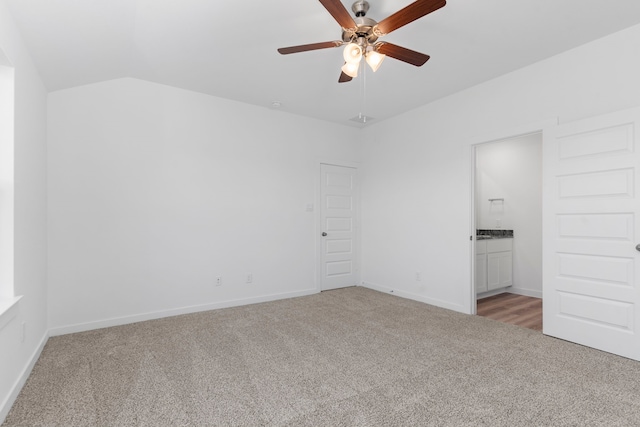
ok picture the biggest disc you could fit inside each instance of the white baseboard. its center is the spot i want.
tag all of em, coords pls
(5, 407)
(517, 291)
(493, 292)
(526, 292)
(117, 321)
(431, 301)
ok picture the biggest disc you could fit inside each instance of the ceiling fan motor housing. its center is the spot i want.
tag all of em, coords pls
(364, 30)
(364, 33)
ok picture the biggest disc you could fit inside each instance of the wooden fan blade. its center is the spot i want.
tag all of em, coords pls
(402, 53)
(339, 13)
(307, 47)
(415, 10)
(344, 78)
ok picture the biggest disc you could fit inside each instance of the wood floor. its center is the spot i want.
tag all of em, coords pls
(514, 309)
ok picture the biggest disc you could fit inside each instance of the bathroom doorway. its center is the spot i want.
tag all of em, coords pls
(507, 245)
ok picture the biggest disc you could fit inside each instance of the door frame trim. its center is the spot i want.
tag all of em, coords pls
(509, 133)
(318, 217)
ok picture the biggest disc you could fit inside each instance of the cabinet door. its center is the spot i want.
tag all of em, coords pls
(493, 270)
(506, 269)
(481, 273)
(499, 270)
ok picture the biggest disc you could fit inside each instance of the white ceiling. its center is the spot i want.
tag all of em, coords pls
(227, 48)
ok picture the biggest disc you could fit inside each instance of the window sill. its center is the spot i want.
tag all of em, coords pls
(8, 310)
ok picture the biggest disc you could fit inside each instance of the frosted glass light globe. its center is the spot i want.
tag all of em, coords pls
(352, 53)
(374, 59)
(351, 69)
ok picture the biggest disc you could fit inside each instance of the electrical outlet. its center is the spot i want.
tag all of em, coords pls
(218, 281)
(249, 278)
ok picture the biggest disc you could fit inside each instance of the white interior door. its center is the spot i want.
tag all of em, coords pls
(339, 203)
(591, 210)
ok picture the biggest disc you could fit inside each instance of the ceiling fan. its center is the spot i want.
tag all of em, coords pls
(360, 35)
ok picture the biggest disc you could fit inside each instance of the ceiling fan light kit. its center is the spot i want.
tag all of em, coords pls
(361, 34)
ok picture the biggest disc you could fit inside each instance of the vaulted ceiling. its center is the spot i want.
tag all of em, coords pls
(227, 48)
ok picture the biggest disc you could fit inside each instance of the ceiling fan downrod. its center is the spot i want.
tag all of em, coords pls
(360, 8)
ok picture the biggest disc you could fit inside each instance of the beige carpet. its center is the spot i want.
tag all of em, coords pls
(352, 357)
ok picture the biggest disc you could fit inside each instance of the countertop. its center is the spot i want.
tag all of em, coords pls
(491, 234)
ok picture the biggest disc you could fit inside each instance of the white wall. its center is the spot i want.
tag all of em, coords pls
(416, 191)
(29, 246)
(155, 191)
(6, 179)
(512, 169)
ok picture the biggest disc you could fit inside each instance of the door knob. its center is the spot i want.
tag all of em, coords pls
(324, 234)
(638, 247)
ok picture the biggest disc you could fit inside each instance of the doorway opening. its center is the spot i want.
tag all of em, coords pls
(508, 230)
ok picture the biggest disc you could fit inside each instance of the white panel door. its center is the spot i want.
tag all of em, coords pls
(591, 210)
(339, 203)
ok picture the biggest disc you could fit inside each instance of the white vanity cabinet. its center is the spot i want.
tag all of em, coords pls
(481, 266)
(494, 264)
